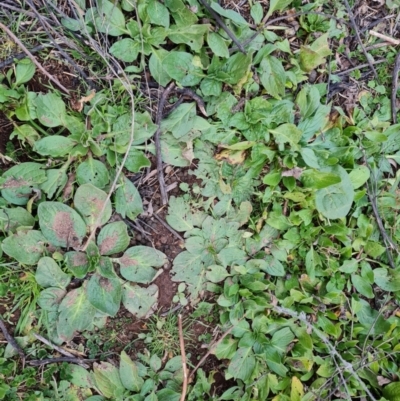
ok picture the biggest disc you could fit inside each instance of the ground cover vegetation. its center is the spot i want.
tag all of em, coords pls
(199, 200)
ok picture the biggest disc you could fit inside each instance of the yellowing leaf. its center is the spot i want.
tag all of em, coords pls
(297, 390)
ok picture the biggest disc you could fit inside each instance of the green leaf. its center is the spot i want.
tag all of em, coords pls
(138, 300)
(25, 133)
(104, 294)
(79, 376)
(136, 161)
(158, 13)
(335, 201)
(274, 361)
(391, 391)
(172, 151)
(179, 215)
(89, 202)
(319, 179)
(50, 299)
(50, 110)
(126, 50)
(108, 380)
(359, 176)
(181, 67)
(12, 218)
(362, 286)
(281, 339)
(19, 182)
(26, 247)
(287, 133)
(24, 71)
(257, 12)
(128, 202)
(216, 273)
(235, 69)
(77, 263)
(226, 349)
(217, 45)
(137, 264)
(61, 225)
(93, 172)
(273, 76)
(277, 5)
(76, 314)
(113, 238)
(181, 120)
(192, 36)
(49, 274)
(56, 179)
(129, 374)
(108, 18)
(242, 364)
(54, 146)
(230, 14)
(312, 56)
(156, 66)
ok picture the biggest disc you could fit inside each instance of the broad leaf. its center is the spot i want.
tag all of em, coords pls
(54, 146)
(50, 110)
(335, 201)
(89, 201)
(273, 76)
(104, 294)
(128, 202)
(76, 314)
(26, 247)
(242, 364)
(138, 300)
(61, 225)
(12, 218)
(19, 183)
(108, 380)
(93, 172)
(49, 274)
(50, 298)
(129, 374)
(137, 264)
(113, 238)
(77, 263)
(126, 50)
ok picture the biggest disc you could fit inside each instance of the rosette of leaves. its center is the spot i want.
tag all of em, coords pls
(214, 246)
(102, 290)
(141, 379)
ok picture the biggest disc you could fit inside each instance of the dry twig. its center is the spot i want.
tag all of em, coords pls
(385, 37)
(223, 26)
(395, 84)
(51, 345)
(10, 339)
(210, 350)
(157, 141)
(29, 54)
(77, 361)
(168, 227)
(357, 32)
(183, 354)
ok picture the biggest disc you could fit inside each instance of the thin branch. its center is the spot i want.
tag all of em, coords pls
(77, 361)
(354, 25)
(213, 346)
(51, 345)
(348, 366)
(38, 65)
(168, 227)
(157, 141)
(10, 339)
(183, 354)
(386, 238)
(395, 83)
(223, 26)
(359, 67)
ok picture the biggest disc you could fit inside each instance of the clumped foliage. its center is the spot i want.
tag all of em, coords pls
(291, 231)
